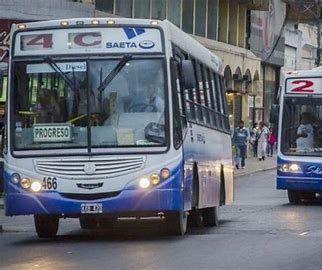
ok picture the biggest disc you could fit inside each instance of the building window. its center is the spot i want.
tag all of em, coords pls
(187, 16)
(212, 23)
(158, 9)
(142, 9)
(174, 11)
(200, 18)
(105, 5)
(123, 8)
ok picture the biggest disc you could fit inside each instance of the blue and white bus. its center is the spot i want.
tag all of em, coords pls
(299, 168)
(113, 118)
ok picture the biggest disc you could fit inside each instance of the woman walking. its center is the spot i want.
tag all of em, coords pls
(271, 140)
(262, 141)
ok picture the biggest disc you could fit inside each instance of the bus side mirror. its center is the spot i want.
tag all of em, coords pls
(188, 74)
(273, 118)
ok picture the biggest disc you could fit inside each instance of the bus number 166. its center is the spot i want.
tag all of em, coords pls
(49, 183)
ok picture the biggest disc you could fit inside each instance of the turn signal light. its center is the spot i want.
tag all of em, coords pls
(25, 183)
(165, 173)
(155, 179)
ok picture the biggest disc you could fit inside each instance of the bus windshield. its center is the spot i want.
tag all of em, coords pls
(302, 126)
(89, 104)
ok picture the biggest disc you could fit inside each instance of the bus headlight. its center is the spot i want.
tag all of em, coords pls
(295, 168)
(144, 183)
(25, 183)
(15, 178)
(35, 186)
(292, 168)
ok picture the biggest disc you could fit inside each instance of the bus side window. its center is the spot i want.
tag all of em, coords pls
(198, 93)
(214, 89)
(211, 99)
(207, 103)
(179, 120)
(219, 99)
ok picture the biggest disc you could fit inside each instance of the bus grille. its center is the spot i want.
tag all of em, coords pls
(89, 168)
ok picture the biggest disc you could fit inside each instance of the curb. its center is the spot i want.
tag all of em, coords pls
(256, 171)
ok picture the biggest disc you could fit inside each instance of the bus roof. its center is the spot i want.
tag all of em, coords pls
(304, 73)
(172, 33)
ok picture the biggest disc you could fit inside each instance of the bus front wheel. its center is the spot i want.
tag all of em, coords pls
(176, 222)
(46, 225)
(88, 223)
(294, 196)
(210, 216)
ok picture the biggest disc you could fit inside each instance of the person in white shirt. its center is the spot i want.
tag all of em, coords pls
(305, 134)
(262, 141)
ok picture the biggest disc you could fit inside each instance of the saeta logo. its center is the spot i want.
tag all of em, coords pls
(146, 44)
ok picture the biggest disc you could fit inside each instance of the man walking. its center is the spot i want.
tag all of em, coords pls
(240, 138)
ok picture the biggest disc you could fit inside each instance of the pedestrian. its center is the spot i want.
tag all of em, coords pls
(271, 140)
(262, 141)
(240, 138)
(253, 138)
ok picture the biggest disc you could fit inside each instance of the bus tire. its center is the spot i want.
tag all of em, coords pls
(46, 225)
(308, 196)
(107, 223)
(210, 216)
(176, 222)
(88, 223)
(294, 196)
(195, 218)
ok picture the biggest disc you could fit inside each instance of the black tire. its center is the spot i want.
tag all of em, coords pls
(294, 196)
(176, 222)
(308, 196)
(195, 218)
(46, 225)
(107, 223)
(88, 223)
(210, 216)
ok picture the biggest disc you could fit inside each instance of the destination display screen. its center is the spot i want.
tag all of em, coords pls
(85, 40)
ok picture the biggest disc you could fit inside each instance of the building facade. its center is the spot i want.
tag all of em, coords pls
(223, 26)
(267, 41)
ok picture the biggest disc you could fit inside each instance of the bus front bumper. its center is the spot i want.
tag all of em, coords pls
(127, 201)
(300, 183)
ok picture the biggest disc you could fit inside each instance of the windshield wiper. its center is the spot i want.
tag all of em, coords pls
(58, 70)
(109, 77)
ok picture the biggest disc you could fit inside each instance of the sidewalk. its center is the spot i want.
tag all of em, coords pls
(253, 165)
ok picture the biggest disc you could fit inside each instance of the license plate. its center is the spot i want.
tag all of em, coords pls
(91, 208)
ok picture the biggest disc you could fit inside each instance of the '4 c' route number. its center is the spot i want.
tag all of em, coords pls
(49, 183)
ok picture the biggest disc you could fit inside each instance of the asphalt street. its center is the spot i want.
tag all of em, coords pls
(261, 230)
